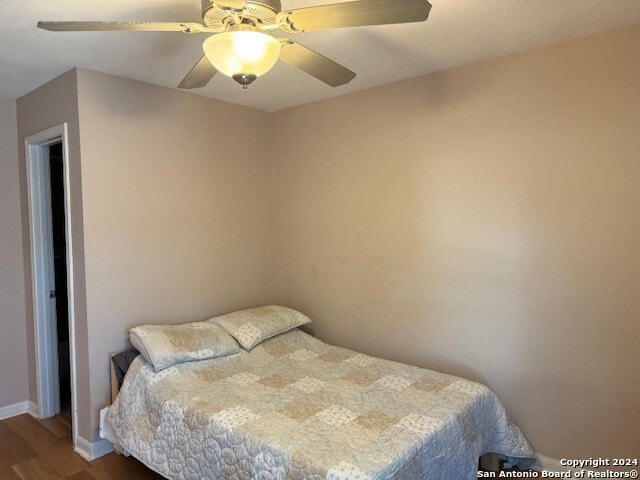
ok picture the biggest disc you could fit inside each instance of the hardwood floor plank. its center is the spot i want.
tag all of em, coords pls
(65, 417)
(36, 469)
(119, 466)
(54, 427)
(64, 424)
(13, 449)
(7, 473)
(97, 472)
(60, 428)
(59, 455)
(84, 475)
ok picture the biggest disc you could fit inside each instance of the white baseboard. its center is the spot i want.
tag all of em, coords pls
(90, 451)
(14, 410)
(548, 464)
(33, 409)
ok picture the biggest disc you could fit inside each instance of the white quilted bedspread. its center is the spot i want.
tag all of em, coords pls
(297, 408)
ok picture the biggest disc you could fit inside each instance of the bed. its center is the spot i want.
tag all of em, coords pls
(294, 407)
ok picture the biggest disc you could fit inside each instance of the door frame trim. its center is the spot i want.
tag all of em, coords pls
(36, 150)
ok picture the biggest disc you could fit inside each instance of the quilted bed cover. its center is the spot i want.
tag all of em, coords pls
(297, 408)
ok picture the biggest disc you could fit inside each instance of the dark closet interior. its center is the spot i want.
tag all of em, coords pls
(60, 266)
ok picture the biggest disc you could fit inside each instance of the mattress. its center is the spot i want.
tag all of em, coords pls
(297, 408)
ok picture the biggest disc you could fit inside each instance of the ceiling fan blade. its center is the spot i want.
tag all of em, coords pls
(356, 14)
(237, 5)
(186, 27)
(314, 64)
(201, 73)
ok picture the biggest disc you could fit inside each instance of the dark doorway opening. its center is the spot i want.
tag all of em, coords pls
(56, 169)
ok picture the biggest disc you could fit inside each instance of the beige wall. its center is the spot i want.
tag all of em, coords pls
(482, 221)
(14, 380)
(53, 104)
(177, 211)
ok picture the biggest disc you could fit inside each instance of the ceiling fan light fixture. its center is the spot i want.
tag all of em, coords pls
(242, 53)
(240, 49)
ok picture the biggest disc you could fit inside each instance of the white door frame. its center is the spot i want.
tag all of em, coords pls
(38, 186)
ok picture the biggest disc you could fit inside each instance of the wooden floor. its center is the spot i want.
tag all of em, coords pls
(31, 449)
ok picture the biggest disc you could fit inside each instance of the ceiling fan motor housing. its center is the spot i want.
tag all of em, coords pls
(262, 10)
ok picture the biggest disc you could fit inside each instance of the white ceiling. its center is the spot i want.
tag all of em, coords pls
(458, 32)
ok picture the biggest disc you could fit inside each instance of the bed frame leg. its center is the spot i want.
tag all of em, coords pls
(490, 462)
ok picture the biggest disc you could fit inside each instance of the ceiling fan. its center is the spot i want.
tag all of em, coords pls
(239, 47)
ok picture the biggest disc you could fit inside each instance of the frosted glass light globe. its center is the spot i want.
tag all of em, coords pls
(242, 52)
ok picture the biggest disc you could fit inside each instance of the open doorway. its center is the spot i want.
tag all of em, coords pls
(56, 182)
(52, 274)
